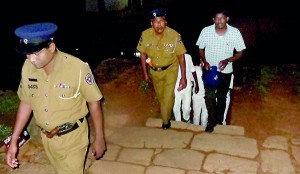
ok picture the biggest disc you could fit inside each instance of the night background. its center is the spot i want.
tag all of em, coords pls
(94, 31)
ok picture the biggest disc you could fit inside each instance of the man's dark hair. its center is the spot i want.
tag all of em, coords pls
(222, 11)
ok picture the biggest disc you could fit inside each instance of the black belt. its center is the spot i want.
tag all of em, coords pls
(160, 69)
(62, 129)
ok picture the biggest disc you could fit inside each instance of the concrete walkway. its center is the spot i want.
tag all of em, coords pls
(184, 149)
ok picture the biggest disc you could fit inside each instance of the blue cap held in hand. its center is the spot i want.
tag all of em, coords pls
(210, 77)
(34, 37)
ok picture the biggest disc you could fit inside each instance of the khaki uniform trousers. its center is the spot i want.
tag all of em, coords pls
(164, 84)
(67, 152)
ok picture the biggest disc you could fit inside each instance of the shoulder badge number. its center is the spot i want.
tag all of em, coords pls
(89, 79)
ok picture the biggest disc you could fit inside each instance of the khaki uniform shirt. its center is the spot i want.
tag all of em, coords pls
(61, 96)
(162, 51)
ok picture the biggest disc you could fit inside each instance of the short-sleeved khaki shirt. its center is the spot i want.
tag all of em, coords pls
(162, 51)
(61, 96)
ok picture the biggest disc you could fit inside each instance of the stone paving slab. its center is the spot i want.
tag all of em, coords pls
(137, 156)
(233, 145)
(276, 142)
(220, 163)
(140, 137)
(276, 161)
(113, 167)
(163, 170)
(296, 153)
(34, 168)
(180, 158)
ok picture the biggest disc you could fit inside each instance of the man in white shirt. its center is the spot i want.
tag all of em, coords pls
(219, 45)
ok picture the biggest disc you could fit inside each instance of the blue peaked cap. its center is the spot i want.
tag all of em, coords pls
(157, 13)
(211, 77)
(34, 37)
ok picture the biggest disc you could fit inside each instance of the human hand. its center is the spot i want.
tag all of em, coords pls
(206, 66)
(147, 78)
(99, 148)
(11, 159)
(182, 84)
(196, 88)
(223, 64)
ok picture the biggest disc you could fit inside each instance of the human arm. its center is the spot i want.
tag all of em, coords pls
(196, 82)
(236, 56)
(99, 145)
(201, 53)
(182, 82)
(143, 57)
(22, 117)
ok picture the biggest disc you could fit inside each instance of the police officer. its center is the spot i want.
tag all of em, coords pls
(60, 90)
(163, 45)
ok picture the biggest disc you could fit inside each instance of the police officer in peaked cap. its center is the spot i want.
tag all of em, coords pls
(164, 47)
(60, 90)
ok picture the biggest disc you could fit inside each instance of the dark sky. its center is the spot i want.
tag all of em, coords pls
(186, 16)
(18, 12)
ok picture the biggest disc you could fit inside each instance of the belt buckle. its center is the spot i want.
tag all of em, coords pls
(66, 128)
(62, 129)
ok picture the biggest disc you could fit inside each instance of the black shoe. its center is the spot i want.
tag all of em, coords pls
(166, 126)
(209, 128)
(186, 121)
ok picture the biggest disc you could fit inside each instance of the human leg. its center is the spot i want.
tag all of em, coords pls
(222, 94)
(170, 77)
(164, 85)
(199, 106)
(211, 105)
(200, 111)
(177, 104)
(228, 99)
(186, 102)
(227, 107)
(158, 80)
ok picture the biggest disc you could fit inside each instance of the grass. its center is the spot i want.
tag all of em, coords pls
(144, 86)
(269, 74)
(9, 102)
(4, 131)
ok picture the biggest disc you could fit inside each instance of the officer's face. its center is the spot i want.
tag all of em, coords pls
(41, 58)
(159, 24)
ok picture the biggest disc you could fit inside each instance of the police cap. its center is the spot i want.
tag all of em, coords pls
(157, 13)
(211, 77)
(34, 37)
